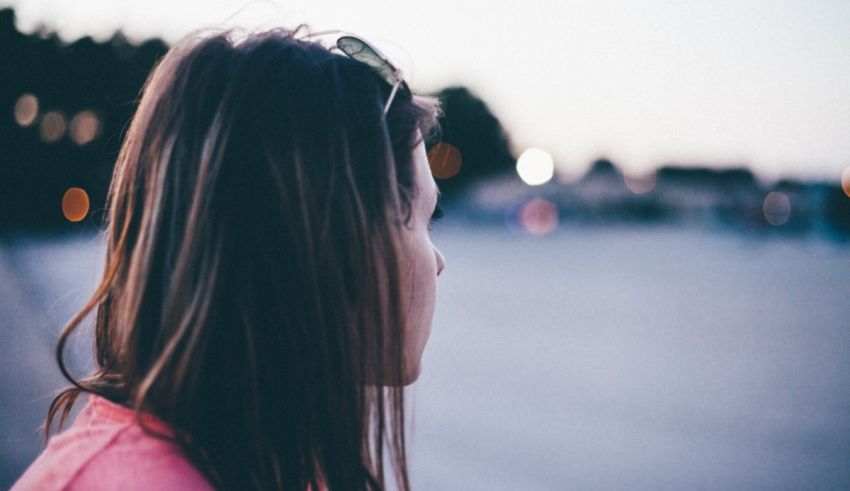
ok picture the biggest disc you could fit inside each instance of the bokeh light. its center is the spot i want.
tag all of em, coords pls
(538, 217)
(845, 181)
(26, 110)
(535, 166)
(75, 204)
(777, 208)
(85, 127)
(52, 127)
(445, 160)
(641, 184)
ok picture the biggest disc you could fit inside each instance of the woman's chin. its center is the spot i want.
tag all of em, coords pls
(409, 376)
(412, 374)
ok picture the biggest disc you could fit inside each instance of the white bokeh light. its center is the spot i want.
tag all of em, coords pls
(535, 166)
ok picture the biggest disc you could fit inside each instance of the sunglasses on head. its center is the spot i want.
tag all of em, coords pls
(360, 50)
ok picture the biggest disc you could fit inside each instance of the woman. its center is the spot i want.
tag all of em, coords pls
(269, 282)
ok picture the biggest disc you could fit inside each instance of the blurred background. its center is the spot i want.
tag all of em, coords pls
(647, 228)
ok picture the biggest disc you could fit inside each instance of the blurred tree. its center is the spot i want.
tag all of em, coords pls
(470, 126)
(102, 78)
(603, 169)
(837, 210)
(730, 178)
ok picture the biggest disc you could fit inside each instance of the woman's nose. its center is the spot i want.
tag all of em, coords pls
(441, 261)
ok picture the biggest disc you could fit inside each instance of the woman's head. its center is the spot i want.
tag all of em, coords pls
(270, 281)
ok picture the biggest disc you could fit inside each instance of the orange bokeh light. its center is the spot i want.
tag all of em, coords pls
(845, 181)
(75, 204)
(445, 160)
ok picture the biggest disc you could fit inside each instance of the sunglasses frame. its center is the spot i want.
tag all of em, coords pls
(361, 50)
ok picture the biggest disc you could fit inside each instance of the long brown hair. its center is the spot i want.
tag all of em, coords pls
(250, 296)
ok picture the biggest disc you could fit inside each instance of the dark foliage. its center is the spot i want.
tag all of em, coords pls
(104, 78)
(469, 125)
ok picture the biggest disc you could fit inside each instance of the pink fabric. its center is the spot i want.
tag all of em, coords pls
(104, 449)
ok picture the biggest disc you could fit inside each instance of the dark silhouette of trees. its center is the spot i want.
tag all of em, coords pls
(837, 209)
(103, 78)
(732, 178)
(602, 168)
(469, 125)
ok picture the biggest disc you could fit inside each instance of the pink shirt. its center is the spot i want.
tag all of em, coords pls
(104, 449)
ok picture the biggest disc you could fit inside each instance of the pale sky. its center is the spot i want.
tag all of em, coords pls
(716, 82)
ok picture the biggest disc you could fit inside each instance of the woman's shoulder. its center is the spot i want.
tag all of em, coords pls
(106, 448)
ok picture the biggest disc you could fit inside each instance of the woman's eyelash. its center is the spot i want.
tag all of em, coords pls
(438, 213)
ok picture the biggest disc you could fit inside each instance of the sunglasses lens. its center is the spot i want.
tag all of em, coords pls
(362, 52)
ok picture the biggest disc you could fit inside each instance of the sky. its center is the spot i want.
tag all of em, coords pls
(719, 83)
